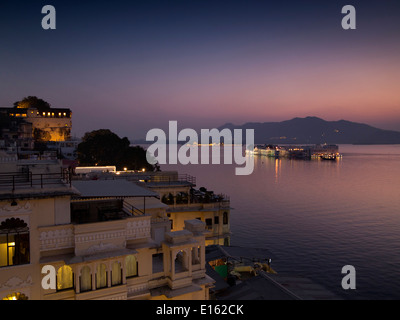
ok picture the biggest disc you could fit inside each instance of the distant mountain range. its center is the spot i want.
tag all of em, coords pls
(312, 130)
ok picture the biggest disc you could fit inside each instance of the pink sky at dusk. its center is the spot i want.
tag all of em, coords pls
(205, 63)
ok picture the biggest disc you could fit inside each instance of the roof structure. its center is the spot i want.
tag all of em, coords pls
(110, 188)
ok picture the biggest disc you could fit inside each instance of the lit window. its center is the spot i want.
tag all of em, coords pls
(85, 279)
(116, 273)
(14, 242)
(131, 266)
(65, 113)
(64, 278)
(101, 276)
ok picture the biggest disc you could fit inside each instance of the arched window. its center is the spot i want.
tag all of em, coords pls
(101, 276)
(86, 279)
(14, 242)
(131, 266)
(65, 278)
(168, 198)
(181, 261)
(116, 273)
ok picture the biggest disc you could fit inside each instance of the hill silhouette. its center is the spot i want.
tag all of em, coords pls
(314, 130)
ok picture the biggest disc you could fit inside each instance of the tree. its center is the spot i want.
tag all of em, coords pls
(104, 148)
(32, 102)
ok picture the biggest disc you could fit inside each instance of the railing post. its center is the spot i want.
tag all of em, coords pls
(41, 180)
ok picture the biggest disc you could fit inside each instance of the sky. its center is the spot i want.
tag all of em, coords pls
(130, 66)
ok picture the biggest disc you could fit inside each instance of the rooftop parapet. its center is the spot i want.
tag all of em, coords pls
(176, 237)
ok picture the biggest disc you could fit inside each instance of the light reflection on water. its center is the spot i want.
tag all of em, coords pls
(317, 216)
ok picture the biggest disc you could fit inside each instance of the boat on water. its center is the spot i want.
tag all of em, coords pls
(328, 157)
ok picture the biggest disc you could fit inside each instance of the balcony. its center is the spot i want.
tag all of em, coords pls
(97, 211)
(94, 237)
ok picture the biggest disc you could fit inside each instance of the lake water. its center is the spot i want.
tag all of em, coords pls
(317, 216)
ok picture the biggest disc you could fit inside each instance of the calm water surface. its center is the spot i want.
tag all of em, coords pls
(317, 216)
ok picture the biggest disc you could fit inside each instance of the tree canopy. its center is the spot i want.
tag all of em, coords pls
(104, 148)
(32, 102)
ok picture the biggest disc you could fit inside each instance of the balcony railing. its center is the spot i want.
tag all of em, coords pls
(29, 179)
(170, 180)
(133, 210)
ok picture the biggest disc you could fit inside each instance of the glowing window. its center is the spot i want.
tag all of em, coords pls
(101, 276)
(14, 242)
(65, 278)
(116, 273)
(131, 266)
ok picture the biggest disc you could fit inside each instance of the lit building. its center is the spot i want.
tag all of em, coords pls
(183, 201)
(50, 125)
(99, 243)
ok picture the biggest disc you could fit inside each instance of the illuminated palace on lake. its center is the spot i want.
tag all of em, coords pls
(324, 151)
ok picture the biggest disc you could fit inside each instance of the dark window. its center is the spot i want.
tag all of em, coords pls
(225, 218)
(216, 220)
